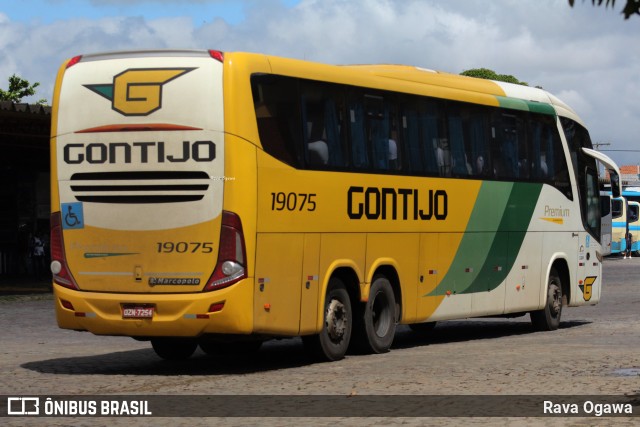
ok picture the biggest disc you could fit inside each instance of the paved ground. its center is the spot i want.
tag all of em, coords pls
(595, 352)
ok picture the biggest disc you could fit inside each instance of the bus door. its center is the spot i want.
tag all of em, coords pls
(589, 263)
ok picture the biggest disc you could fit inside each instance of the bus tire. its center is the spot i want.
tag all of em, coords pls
(174, 348)
(378, 321)
(333, 340)
(548, 319)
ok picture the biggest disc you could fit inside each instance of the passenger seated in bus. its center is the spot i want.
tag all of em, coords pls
(468, 165)
(480, 165)
(317, 148)
(543, 167)
(318, 153)
(443, 157)
(393, 154)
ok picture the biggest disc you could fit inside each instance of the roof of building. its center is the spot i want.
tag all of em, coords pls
(24, 107)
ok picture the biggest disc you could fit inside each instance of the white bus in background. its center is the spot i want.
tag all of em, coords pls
(606, 225)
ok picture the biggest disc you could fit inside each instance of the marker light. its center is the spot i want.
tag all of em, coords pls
(217, 55)
(73, 61)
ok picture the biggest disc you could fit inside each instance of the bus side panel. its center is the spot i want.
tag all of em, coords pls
(429, 274)
(524, 280)
(278, 283)
(454, 305)
(311, 284)
(488, 298)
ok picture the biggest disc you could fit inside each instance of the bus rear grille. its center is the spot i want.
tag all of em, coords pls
(139, 187)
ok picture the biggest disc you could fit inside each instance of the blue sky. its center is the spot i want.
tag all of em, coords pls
(201, 11)
(586, 55)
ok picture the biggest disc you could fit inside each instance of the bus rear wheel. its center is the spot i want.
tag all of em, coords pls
(333, 340)
(377, 324)
(174, 348)
(548, 319)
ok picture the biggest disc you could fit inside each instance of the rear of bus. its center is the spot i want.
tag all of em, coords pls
(141, 244)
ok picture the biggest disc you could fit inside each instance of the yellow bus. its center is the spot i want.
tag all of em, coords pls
(217, 199)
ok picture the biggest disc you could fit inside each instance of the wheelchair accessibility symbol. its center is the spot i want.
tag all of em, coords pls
(72, 216)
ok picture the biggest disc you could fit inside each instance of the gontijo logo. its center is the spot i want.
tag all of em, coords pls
(138, 91)
(587, 287)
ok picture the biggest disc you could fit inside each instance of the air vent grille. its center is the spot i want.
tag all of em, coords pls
(139, 187)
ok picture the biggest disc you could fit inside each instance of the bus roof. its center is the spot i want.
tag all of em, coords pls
(446, 85)
(406, 78)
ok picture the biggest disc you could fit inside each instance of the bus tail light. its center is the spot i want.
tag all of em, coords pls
(231, 265)
(73, 61)
(217, 55)
(59, 268)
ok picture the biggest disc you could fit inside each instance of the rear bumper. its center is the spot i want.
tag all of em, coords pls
(175, 315)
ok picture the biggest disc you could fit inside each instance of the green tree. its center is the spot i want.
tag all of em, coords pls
(18, 89)
(631, 8)
(485, 73)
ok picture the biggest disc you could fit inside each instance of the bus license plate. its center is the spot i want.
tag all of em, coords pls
(137, 312)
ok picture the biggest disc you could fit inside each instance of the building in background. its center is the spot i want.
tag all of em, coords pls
(24, 190)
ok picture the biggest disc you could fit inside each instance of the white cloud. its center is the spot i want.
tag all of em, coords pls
(586, 55)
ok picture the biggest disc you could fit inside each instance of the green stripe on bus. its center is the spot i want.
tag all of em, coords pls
(484, 258)
(508, 240)
(521, 104)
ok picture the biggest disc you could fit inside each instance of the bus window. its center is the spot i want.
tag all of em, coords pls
(411, 140)
(478, 140)
(358, 141)
(276, 112)
(549, 162)
(377, 131)
(322, 125)
(396, 154)
(592, 191)
(616, 208)
(459, 164)
(420, 136)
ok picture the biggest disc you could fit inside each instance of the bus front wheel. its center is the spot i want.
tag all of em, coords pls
(333, 340)
(548, 319)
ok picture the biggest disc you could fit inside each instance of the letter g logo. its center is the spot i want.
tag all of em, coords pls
(138, 91)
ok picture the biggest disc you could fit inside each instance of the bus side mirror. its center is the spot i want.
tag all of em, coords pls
(615, 183)
(614, 171)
